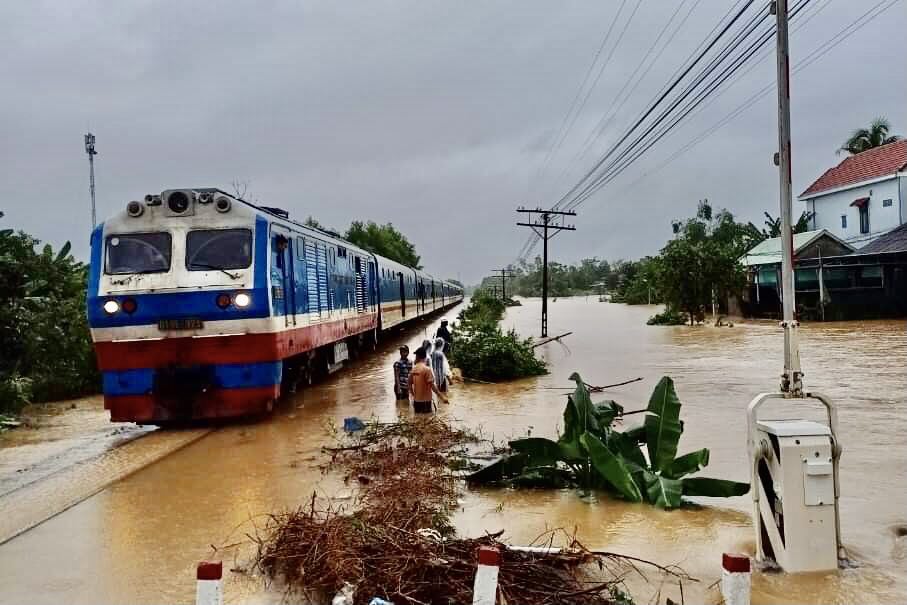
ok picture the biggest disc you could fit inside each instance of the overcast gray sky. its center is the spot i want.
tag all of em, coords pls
(435, 116)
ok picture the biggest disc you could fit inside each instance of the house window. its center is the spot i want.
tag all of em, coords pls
(886, 203)
(843, 221)
(864, 218)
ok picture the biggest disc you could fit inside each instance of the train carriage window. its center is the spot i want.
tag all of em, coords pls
(138, 253)
(218, 249)
(300, 248)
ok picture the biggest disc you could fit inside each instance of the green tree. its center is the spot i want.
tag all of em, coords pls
(702, 260)
(44, 336)
(867, 138)
(385, 240)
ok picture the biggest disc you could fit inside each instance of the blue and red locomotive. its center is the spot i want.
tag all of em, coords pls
(202, 305)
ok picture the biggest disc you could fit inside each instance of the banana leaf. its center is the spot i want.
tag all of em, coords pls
(663, 425)
(716, 488)
(583, 414)
(64, 252)
(544, 477)
(689, 463)
(570, 438)
(626, 446)
(636, 434)
(611, 467)
(499, 470)
(606, 411)
(540, 451)
(662, 491)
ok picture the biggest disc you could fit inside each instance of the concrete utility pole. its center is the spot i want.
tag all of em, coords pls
(545, 225)
(791, 380)
(505, 273)
(90, 150)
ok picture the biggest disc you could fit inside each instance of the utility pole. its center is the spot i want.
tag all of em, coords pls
(791, 379)
(545, 225)
(90, 150)
(505, 273)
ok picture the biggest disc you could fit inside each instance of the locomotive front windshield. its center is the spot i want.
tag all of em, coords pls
(138, 253)
(218, 249)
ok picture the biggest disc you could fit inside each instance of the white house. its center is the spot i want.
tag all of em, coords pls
(863, 197)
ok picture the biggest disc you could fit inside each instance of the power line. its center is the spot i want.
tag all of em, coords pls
(636, 74)
(653, 106)
(599, 75)
(640, 145)
(579, 91)
(738, 39)
(685, 67)
(812, 57)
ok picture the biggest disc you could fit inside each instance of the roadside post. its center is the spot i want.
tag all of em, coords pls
(793, 463)
(209, 583)
(736, 584)
(485, 587)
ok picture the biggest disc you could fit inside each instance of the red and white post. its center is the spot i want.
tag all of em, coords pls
(209, 586)
(485, 588)
(736, 579)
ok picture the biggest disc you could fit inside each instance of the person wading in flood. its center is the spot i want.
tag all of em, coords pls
(439, 366)
(402, 368)
(422, 385)
(444, 332)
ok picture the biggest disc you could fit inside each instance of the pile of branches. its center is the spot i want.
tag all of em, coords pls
(398, 543)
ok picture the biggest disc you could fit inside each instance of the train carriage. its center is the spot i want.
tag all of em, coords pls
(202, 305)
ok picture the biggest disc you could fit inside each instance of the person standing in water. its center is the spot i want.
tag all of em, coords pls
(426, 345)
(402, 369)
(444, 332)
(439, 366)
(422, 385)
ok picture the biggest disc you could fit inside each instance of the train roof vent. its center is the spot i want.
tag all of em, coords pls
(278, 211)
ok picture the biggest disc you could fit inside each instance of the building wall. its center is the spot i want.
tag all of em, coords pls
(902, 186)
(830, 207)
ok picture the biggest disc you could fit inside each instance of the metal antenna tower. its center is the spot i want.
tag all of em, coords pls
(90, 150)
(541, 229)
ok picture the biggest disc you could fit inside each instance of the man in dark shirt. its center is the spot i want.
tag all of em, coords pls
(444, 332)
(402, 368)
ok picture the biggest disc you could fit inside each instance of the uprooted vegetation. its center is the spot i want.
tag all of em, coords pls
(397, 541)
(484, 352)
(592, 454)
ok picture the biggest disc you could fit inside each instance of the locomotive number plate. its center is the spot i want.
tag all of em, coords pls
(180, 324)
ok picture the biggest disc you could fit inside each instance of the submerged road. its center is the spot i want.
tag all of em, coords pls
(138, 539)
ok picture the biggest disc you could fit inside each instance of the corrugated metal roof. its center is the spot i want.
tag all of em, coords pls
(893, 241)
(768, 251)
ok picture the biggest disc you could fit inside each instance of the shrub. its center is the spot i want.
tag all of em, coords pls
(484, 352)
(668, 317)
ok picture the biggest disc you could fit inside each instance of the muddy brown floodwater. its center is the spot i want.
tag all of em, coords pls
(139, 539)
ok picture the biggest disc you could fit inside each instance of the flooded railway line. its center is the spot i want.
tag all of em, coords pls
(139, 539)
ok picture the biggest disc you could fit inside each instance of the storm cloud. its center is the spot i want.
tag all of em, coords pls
(435, 116)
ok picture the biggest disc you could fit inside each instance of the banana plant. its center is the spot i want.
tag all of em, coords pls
(592, 454)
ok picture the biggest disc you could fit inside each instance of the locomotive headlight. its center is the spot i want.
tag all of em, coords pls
(242, 300)
(111, 307)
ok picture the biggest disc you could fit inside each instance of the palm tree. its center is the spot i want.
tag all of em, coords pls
(874, 136)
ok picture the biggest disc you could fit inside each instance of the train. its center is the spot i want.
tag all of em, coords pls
(205, 306)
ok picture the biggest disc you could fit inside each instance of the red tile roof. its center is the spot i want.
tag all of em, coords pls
(871, 164)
